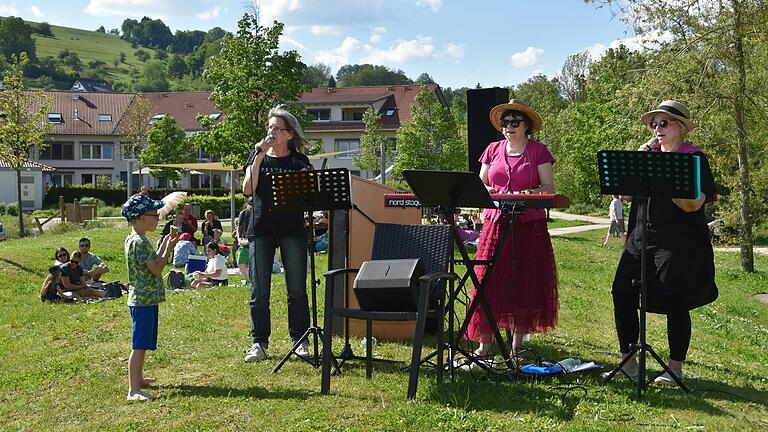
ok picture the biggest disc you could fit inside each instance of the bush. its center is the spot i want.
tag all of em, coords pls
(113, 196)
(108, 211)
(2, 208)
(12, 209)
(219, 205)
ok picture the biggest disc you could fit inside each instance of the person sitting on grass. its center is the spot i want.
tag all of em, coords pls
(72, 279)
(93, 266)
(215, 273)
(145, 270)
(61, 256)
(52, 285)
(184, 248)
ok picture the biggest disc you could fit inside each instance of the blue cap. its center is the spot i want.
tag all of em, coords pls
(139, 204)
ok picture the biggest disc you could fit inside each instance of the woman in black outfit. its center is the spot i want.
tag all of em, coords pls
(680, 258)
(280, 151)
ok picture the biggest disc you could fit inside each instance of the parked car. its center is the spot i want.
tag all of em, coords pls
(2, 232)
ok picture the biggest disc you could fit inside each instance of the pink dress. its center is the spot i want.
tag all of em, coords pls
(522, 289)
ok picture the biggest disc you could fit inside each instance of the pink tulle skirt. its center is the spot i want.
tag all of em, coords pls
(522, 289)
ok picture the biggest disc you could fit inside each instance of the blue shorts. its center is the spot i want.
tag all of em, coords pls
(144, 327)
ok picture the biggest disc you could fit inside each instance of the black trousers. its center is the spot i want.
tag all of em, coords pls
(666, 272)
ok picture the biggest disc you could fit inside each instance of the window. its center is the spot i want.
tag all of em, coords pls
(353, 114)
(105, 117)
(320, 114)
(96, 179)
(55, 118)
(214, 116)
(156, 117)
(96, 151)
(347, 144)
(60, 179)
(59, 151)
(389, 111)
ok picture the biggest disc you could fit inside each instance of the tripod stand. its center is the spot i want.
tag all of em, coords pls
(448, 191)
(308, 191)
(646, 175)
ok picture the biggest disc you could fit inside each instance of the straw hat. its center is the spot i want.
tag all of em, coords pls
(515, 104)
(672, 108)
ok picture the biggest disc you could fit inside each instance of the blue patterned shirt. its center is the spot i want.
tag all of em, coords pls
(146, 288)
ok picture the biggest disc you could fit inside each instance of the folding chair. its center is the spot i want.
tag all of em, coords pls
(430, 243)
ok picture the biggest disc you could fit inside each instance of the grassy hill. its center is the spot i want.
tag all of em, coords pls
(90, 46)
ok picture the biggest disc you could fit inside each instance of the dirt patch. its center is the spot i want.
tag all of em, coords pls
(762, 298)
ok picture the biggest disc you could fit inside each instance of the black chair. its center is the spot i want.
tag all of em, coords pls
(431, 243)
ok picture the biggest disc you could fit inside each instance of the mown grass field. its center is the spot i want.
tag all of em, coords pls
(63, 366)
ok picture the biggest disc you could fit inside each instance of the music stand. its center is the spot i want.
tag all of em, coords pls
(308, 191)
(646, 175)
(449, 190)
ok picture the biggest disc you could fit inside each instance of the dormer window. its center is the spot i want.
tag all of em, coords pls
(55, 118)
(105, 117)
(156, 117)
(214, 116)
(389, 111)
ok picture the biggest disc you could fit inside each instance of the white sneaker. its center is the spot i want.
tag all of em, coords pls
(255, 353)
(667, 380)
(303, 349)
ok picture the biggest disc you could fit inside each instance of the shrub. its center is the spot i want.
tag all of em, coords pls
(12, 209)
(2, 208)
(219, 205)
(114, 196)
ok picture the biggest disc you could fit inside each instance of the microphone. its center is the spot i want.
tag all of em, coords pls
(270, 138)
(652, 143)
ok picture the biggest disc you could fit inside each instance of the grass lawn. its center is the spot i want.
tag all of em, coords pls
(563, 223)
(64, 366)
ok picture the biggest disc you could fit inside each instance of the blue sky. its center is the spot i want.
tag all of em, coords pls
(458, 42)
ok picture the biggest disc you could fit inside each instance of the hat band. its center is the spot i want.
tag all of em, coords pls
(673, 110)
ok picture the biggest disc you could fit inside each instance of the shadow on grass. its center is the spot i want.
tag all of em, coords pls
(188, 390)
(20, 267)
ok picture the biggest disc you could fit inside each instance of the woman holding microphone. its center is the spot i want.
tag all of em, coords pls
(280, 151)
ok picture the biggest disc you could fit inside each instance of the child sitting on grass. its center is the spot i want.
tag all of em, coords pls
(145, 267)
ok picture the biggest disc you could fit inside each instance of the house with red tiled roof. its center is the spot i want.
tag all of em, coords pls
(84, 145)
(338, 116)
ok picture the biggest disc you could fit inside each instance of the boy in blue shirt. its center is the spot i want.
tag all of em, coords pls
(145, 266)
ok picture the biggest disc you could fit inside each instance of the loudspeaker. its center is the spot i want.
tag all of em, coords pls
(389, 285)
(480, 131)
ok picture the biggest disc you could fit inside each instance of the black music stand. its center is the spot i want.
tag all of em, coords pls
(449, 190)
(308, 191)
(646, 175)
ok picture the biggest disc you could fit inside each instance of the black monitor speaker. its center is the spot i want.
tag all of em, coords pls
(480, 131)
(389, 285)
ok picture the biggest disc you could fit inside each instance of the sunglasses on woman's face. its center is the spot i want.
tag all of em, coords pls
(511, 123)
(61, 255)
(662, 124)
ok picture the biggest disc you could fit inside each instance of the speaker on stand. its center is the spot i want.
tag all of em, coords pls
(480, 131)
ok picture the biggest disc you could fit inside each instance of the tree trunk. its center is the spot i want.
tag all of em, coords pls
(745, 187)
(18, 202)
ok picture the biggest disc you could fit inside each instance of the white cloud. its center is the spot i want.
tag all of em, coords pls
(635, 43)
(406, 51)
(289, 41)
(271, 10)
(325, 30)
(151, 8)
(530, 57)
(343, 54)
(435, 5)
(209, 14)
(8, 9)
(376, 34)
(455, 50)
(375, 38)
(379, 30)
(36, 11)
(327, 12)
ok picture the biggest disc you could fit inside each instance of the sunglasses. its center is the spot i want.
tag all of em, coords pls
(277, 128)
(513, 123)
(662, 124)
(61, 255)
(74, 262)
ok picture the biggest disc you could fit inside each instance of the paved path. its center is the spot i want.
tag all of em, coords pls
(598, 223)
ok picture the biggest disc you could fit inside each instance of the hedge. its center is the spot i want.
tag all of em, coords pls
(219, 205)
(116, 196)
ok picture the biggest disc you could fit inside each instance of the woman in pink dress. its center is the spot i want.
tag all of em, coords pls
(522, 289)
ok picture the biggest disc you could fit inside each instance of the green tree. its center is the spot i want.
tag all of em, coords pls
(166, 143)
(424, 78)
(101, 29)
(317, 75)
(134, 129)
(543, 95)
(16, 38)
(153, 77)
(572, 81)
(141, 55)
(371, 142)
(22, 124)
(44, 29)
(369, 75)
(430, 139)
(176, 67)
(250, 76)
